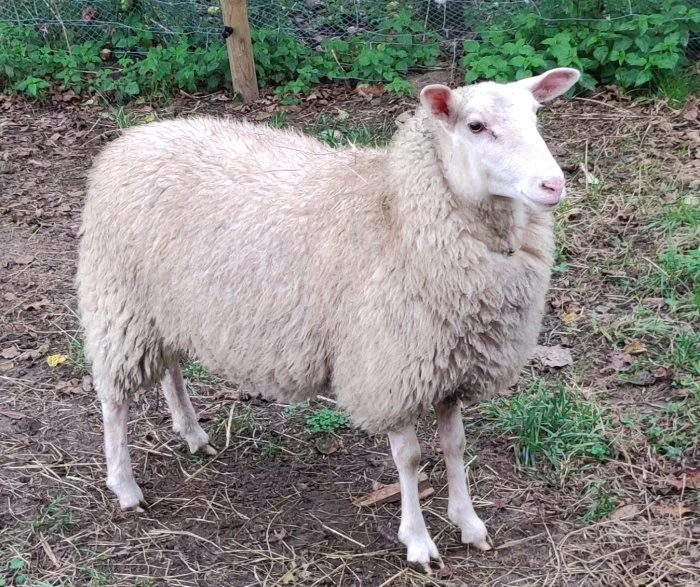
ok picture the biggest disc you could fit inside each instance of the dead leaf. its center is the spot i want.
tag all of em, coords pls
(553, 356)
(328, 444)
(369, 91)
(70, 386)
(635, 348)
(9, 353)
(689, 478)
(673, 511)
(560, 301)
(569, 317)
(619, 361)
(55, 360)
(624, 512)
(23, 259)
(642, 379)
(5, 367)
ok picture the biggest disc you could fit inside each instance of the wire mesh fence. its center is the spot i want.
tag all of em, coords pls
(450, 22)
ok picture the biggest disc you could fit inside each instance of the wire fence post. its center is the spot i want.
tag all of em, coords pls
(240, 49)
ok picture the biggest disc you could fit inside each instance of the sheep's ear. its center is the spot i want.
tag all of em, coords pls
(440, 102)
(551, 84)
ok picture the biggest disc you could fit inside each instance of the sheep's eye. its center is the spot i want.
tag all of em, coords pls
(476, 127)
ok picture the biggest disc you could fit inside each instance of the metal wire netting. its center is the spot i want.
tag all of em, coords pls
(310, 20)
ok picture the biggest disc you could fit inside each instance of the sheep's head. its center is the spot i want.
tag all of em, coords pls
(489, 142)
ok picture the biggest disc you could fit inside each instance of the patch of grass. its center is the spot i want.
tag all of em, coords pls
(678, 86)
(340, 131)
(602, 502)
(55, 517)
(292, 410)
(195, 371)
(672, 430)
(76, 355)
(553, 429)
(270, 449)
(279, 119)
(327, 421)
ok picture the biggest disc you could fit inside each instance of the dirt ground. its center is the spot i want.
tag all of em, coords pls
(272, 509)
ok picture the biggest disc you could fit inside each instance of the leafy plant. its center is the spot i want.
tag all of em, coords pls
(327, 421)
(629, 51)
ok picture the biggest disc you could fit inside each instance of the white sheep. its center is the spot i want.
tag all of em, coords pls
(396, 279)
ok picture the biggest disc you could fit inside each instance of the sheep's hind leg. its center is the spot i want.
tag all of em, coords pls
(120, 477)
(459, 507)
(412, 531)
(184, 417)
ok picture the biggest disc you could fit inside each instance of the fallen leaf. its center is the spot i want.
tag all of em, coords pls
(690, 112)
(9, 353)
(619, 361)
(24, 259)
(328, 444)
(55, 360)
(5, 367)
(624, 512)
(70, 386)
(569, 317)
(342, 115)
(673, 511)
(635, 348)
(560, 301)
(368, 91)
(642, 379)
(552, 356)
(687, 479)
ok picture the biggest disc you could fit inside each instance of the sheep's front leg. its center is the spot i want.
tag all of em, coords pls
(459, 507)
(120, 477)
(412, 531)
(185, 421)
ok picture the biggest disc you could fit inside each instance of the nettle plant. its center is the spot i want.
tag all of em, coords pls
(628, 51)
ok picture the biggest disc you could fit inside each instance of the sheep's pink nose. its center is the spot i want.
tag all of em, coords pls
(553, 186)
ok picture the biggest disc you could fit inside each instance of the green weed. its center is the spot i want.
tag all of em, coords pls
(327, 421)
(552, 429)
(55, 517)
(195, 371)
(271, 449)
(602, 503)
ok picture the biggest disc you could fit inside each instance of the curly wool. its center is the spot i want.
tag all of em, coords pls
(297, 269)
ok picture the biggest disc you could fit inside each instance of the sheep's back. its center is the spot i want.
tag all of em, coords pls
(212, 237)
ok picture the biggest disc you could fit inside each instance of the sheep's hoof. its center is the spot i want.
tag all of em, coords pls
(140, 508)
(482, 545)
(207, 449)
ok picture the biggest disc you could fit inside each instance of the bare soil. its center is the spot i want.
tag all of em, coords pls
(253, 517)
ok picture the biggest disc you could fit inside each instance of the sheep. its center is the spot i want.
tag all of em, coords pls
(396, 279)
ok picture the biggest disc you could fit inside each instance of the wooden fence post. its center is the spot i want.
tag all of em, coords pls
(240, 49)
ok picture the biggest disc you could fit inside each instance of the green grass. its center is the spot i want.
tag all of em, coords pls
(327, 421)
(55, 517)
(76, 355)
(553, 429)
(671, 431)
(195, 371)
(678, 87)
(339, 131)
(270, 449)
(602, 502)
